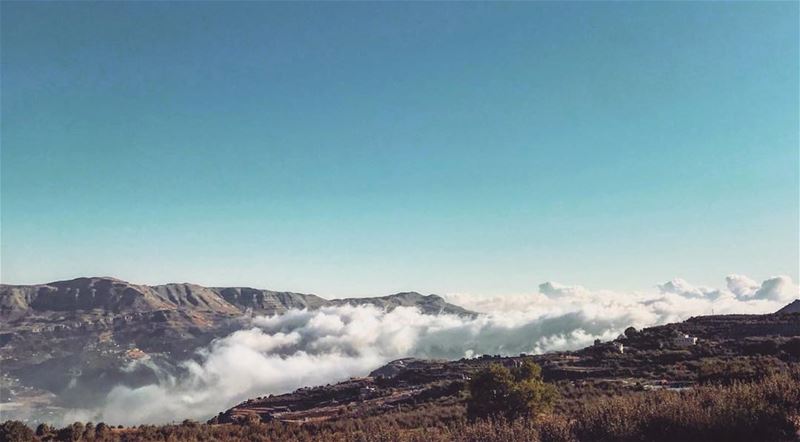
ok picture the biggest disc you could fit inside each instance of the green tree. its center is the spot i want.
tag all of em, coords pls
(499, 392)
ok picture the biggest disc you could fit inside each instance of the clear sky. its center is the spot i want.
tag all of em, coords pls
(367, 148)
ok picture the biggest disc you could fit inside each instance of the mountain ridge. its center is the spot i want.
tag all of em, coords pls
(116, 296)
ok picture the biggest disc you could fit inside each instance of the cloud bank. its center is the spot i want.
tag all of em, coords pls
(278, 354)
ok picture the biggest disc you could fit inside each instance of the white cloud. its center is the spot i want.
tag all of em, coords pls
(681, 287)
(778, 288)
(741, 286)
(551, 288)
(281, 353)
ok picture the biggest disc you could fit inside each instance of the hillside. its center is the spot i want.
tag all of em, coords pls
(727, 347)
(738, 381)
(73, 340)
(793, 307)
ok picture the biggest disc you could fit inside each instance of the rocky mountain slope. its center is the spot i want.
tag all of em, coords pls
(75, 339)
(115, 296)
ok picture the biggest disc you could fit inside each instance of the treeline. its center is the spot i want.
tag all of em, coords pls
(764, 410)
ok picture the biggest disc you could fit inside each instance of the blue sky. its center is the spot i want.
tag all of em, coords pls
(366, 148)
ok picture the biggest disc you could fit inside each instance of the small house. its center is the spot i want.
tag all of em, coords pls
(684, 341)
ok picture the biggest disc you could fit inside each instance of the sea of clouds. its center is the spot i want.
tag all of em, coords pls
(278, 354)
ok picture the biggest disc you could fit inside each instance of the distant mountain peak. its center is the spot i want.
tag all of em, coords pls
(89, 280)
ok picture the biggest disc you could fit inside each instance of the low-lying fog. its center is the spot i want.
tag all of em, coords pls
(304, 348)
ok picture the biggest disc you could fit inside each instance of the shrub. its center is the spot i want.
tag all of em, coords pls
(43, 430)
(15, 431)
(499, 392)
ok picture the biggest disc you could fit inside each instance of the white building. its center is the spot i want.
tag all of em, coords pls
(685, 341)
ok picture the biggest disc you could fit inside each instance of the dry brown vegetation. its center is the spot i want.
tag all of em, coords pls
(765, 410)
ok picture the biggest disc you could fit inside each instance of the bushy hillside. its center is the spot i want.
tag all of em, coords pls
(766, 410)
